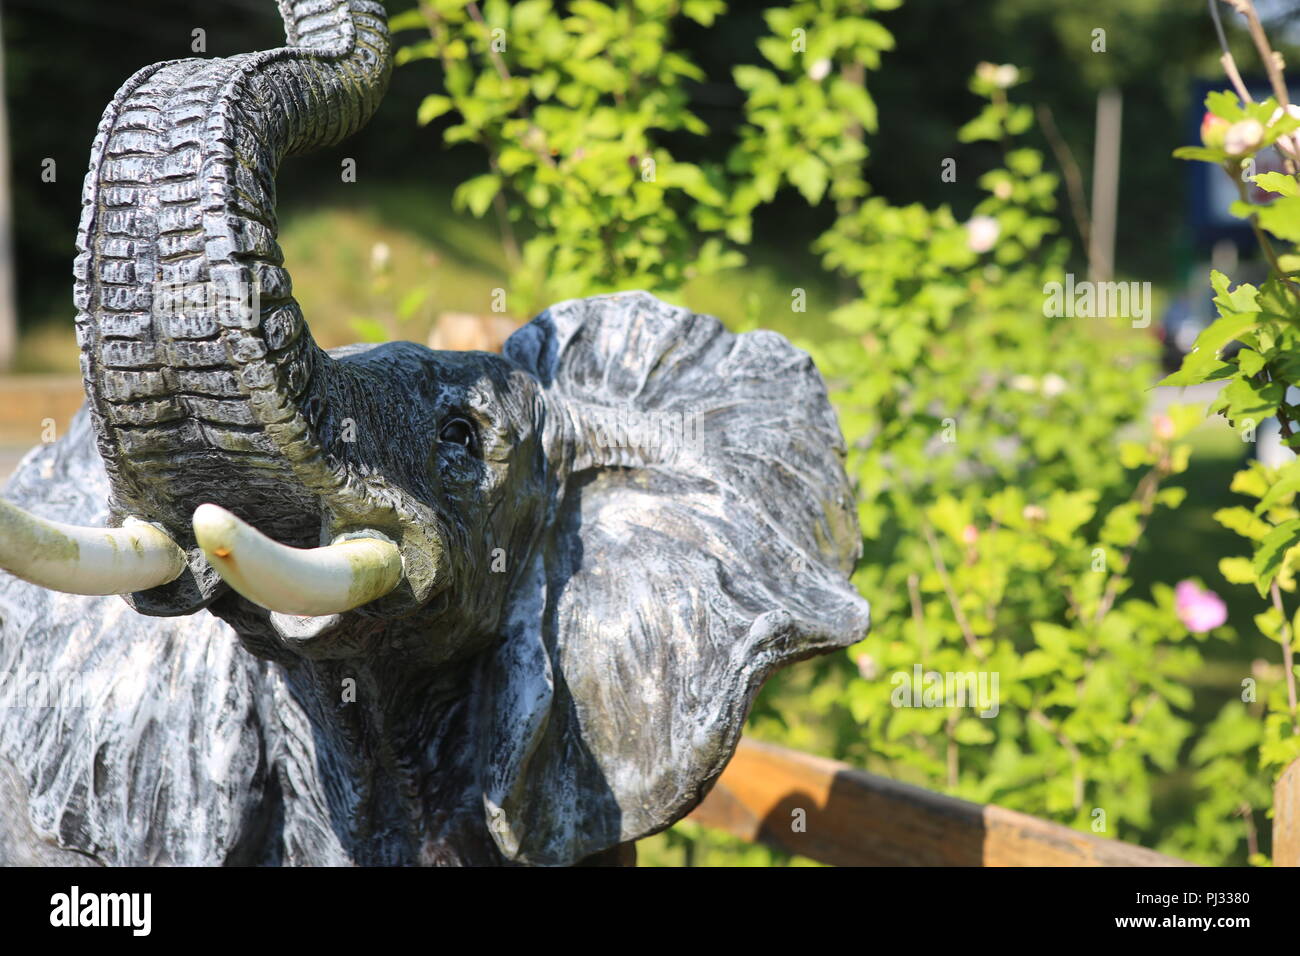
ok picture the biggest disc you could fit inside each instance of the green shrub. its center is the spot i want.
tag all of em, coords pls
(1000, 509)
(570, 108)
(1252, 742)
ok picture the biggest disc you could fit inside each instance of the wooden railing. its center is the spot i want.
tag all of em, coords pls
(834, 813)
(34, 408)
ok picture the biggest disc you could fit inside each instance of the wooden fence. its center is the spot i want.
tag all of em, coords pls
(834, 813)
(32, 409)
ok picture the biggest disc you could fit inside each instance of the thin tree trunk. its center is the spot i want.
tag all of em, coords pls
(1105, 186)
(8, 305)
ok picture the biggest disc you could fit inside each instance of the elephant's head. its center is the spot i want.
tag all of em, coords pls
(623, 524)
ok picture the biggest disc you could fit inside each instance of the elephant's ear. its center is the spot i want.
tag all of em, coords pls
(702, 537)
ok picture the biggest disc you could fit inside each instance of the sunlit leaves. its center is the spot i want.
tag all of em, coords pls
(569, 103)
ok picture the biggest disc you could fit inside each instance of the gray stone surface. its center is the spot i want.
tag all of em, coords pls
(640, 516)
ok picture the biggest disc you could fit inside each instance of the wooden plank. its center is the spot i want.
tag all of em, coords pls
(27, 400)
(1286, 817)
(853, 818)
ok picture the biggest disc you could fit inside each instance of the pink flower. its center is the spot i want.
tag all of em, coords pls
(1199, 610)
(982, 233)
(1243, 137)
(970, 534)
(1164, 427)
(1214, 129)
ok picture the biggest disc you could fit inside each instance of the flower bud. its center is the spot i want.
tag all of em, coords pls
(1243, 136)
(982, 233)
(1164, 427)
(819, 70)
(1006, 76)
(1213, 130)
(867, 668)
(1054, 385)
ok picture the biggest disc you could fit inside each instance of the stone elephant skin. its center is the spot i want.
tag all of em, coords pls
(384, 605)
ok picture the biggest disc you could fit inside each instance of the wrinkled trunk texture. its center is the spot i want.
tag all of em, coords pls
(195, 398)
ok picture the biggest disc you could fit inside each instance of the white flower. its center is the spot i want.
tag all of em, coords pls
(380, 254)
(1024, 383)
(819, 70)
(1242, 137)
(1006, 76)
(1003, 77)
(1053, 385)
(982, 233)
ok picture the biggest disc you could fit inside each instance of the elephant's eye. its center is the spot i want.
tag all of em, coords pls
(457, 431)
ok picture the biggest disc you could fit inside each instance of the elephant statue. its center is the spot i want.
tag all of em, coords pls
(384, 605)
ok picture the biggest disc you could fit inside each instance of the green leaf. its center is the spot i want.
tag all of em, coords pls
(1250, 362)
(810, 176)
(1067, 512)
(1243, 521)
(1268, 559)
(1171, 497)
(1287, 484)
(1224, 104)
(1134, 454)
(1279, 183)
(703, 11)
(1053, 639)
(1237, 570)
(973, 730)
(1037, 663)
(1244, 298)
(1225, 330)
(1200, 153)
(528, 16)
(1281, 217)
(431, 107)
(1197, 371)
(1250, 481)
(476, 194)
(411, 19)
(1246, 398)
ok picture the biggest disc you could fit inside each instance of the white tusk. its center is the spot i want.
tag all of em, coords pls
(305, 582)
(79, 560)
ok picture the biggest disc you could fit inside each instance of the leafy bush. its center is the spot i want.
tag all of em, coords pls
(1252, 742)
(570, 110)
(999, 509)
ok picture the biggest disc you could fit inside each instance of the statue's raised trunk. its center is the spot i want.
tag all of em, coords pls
(200, 369)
